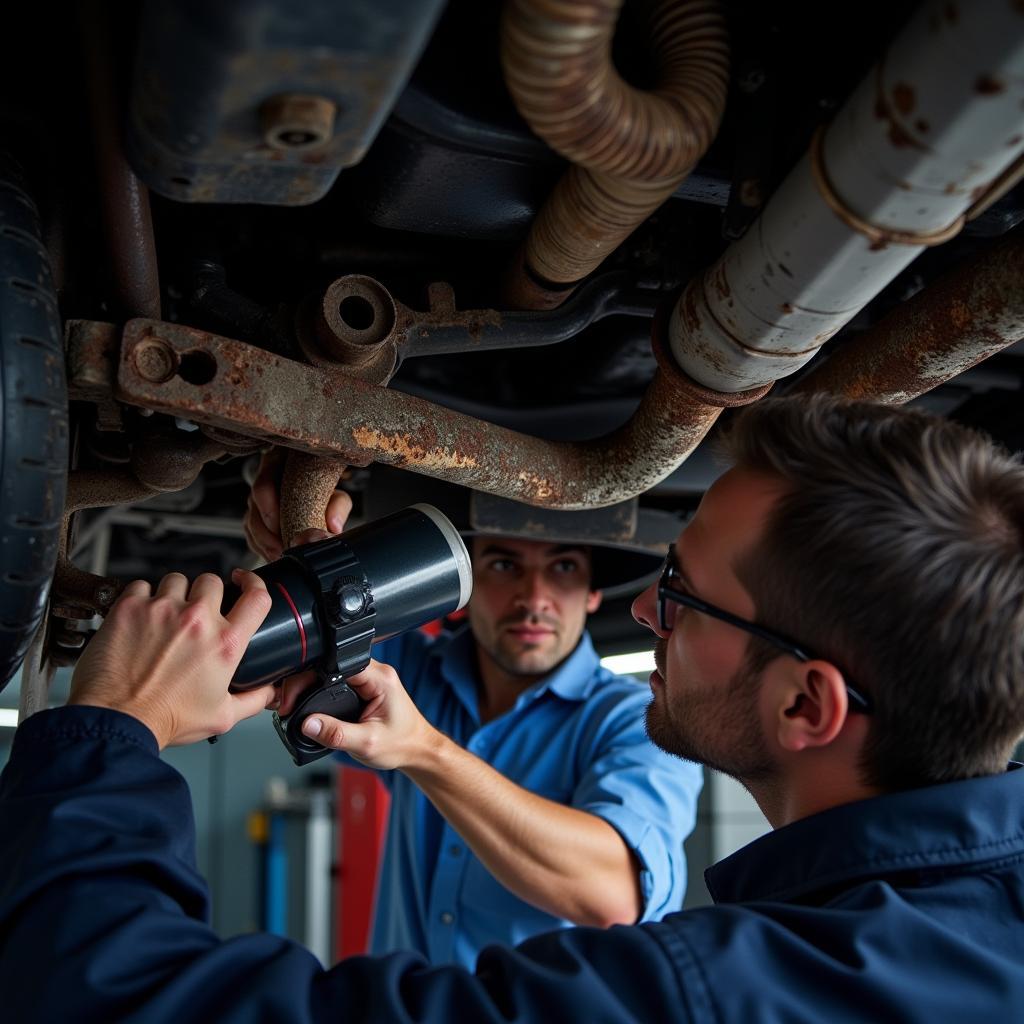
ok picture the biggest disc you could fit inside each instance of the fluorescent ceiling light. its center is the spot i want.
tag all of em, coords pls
(627, 664)
(8, 718)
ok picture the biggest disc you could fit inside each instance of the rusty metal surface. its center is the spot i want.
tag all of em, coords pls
(939, 118)
(490, 514)
(422, 332)
(630, 148)
(351, 328)
(124, 199)
(586, 217)
(75, 592)
(297, 122)
(158, 464)
(265, 396)
(306, 486)
(875, 189)
(960, 320)
(164, 463)
(444, 328)
(558, 67)
(91, 351)
(200, 128)
(878, 237)
(365, 340)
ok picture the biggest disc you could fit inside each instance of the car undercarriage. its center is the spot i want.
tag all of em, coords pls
(541, 249)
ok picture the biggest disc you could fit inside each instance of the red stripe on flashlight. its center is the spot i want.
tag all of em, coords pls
(298, 617)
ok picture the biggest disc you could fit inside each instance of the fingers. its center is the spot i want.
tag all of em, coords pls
(307, 537)
(260, 539)
(208, 588)
(265, 491)
(174, 584)
(252, 702)
(339, 508)
(292, 690)
(263, 516)
(252, 606)
(374, 681)
(137, 588)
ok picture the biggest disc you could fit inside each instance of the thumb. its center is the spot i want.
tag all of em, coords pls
(365, 741)
(328, 731)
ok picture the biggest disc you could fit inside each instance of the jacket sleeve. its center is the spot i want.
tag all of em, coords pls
(103, 916)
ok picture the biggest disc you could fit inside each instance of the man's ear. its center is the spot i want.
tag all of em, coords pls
(812, 706)
(594, 598)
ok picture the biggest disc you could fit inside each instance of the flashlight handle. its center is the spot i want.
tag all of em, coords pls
(336, 698)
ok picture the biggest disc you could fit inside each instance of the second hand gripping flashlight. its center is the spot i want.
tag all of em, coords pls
(334, 598)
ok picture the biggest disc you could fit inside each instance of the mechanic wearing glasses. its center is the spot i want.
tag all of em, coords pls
(528, 796)
(855, 659)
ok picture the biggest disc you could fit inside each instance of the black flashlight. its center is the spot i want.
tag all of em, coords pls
(334, 598)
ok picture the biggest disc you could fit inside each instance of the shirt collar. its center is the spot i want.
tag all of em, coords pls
(573, 679)
(934, 829)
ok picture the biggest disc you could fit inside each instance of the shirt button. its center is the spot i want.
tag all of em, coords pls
(447, 918)
(455, 849)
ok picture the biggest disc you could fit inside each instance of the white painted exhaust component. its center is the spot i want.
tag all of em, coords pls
(934, 126)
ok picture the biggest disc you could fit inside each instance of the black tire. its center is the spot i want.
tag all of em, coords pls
(33, 422)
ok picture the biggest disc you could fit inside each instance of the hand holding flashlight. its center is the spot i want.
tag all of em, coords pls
(332, 599)
(165, 657)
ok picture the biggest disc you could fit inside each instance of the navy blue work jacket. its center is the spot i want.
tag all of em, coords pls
(908, 907)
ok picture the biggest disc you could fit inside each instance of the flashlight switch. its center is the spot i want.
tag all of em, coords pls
(347, 600)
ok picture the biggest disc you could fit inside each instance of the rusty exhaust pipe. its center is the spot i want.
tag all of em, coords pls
(960, 320)
(630, 148)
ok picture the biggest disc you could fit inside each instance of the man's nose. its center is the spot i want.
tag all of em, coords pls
(534, 594)
(645, 610)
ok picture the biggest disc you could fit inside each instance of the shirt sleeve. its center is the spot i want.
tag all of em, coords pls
(103, 915)
(648, 796)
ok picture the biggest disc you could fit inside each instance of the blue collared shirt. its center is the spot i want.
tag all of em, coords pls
(576, 737)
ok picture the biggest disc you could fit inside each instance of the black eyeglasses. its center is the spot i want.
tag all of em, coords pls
(668, 592)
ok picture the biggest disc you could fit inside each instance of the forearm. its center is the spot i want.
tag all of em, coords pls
(568, 862)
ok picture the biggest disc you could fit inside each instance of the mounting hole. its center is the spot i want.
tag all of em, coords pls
(296, 121)
(357, 312)
(197, 367)
(297, 138)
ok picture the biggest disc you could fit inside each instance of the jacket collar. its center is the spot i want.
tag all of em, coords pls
(924, 831)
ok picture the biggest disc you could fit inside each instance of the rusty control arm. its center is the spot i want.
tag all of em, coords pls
(229, 385)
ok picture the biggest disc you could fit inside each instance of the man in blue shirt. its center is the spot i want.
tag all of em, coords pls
(536, 800)
(839, 627)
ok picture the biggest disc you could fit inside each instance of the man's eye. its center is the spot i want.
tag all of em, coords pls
(502, 565)
(566, 565)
